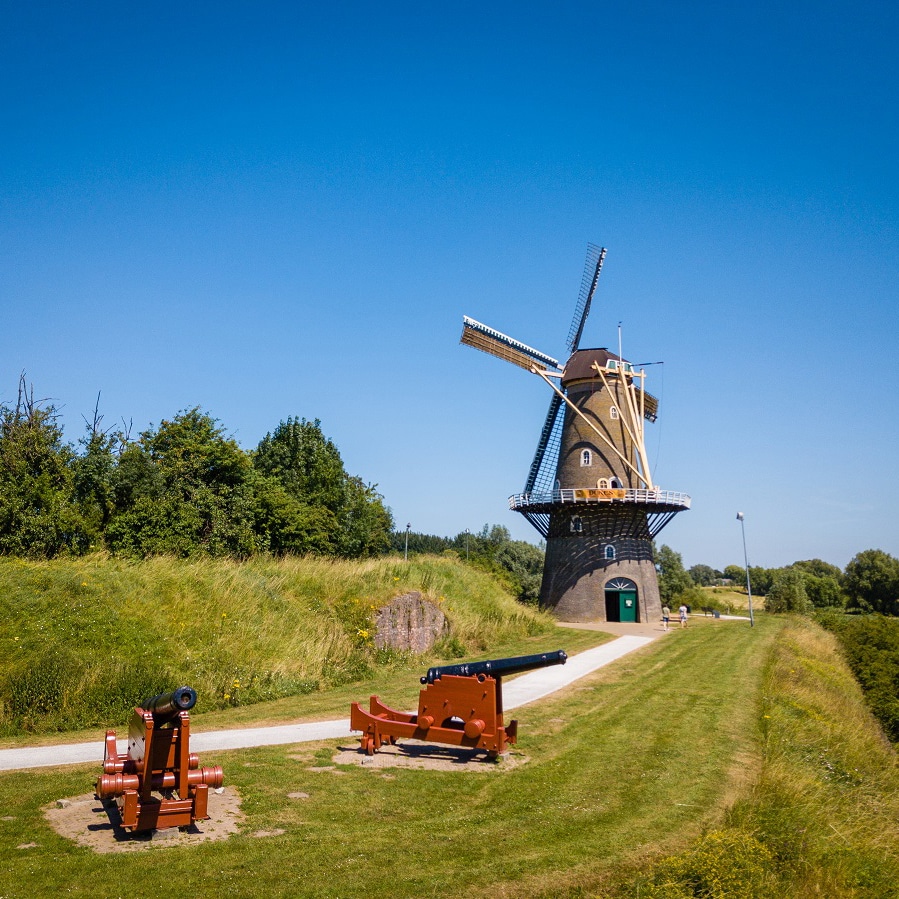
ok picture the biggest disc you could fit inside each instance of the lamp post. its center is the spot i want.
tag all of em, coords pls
(406, 550)
(466, 544)
(746, 560)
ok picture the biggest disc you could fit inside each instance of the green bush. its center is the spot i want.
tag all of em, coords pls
(871, 644)
(727, 864)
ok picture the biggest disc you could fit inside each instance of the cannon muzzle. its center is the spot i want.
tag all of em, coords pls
(497, 667)
(168, 705)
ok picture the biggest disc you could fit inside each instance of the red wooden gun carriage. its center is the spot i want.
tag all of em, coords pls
(461, 705)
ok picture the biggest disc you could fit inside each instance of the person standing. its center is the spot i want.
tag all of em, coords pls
(683, 616)
(666, 617)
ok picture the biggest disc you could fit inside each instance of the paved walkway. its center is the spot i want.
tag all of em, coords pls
(520, 691)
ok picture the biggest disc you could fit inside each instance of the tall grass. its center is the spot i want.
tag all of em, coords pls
(85, 639)
(823, 817)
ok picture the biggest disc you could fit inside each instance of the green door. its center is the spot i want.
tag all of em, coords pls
(627, 605)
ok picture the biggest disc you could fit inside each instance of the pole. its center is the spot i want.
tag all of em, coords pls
(466, 544)
(746, 560)
(406, 551)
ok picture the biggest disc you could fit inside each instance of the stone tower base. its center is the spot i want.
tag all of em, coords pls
(577, 575)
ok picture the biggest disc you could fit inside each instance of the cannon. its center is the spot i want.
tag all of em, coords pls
(159, 782)
(460, 705)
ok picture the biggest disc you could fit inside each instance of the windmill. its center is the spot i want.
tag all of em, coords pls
(590, 491)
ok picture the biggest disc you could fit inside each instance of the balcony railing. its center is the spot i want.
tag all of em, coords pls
(667, 498)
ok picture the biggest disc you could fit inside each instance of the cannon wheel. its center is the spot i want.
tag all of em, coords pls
(368, 744)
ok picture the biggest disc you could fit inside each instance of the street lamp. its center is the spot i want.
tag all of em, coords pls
(466, 544)
(406, 551)
(746, 560)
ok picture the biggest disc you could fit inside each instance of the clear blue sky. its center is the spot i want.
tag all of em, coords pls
(284, 209)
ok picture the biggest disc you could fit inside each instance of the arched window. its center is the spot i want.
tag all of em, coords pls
(615, 484)
(586, 458)
(577, 524)
(613, 413)
(609, 552)
(603, 483)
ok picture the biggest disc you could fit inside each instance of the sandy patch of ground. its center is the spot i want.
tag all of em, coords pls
(429, 756)
(97, 825)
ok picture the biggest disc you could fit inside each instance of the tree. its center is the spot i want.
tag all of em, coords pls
(191, 450)
(185, 489)
(824, 592)
(819, 568)
(787, 593)
(365, 522)
(523, 562)
(38, 513)
(308, 467)
(94, 475)
(703, 575)
(736, 573)
(305, 462)
(673, 579)
(871, 581)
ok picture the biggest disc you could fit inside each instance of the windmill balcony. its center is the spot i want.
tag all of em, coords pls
(656, 498)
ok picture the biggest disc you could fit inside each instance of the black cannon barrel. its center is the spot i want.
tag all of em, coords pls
(167, 705)
(498, 667)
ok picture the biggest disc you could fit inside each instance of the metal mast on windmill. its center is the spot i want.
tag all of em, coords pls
(589, 490)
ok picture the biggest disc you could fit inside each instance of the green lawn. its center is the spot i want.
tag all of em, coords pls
(722, 761)
(632, 761)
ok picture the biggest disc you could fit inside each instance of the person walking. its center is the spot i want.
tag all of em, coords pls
(666, 617)
(683, 616)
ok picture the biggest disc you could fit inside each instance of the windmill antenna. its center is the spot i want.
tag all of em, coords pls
(592, 268)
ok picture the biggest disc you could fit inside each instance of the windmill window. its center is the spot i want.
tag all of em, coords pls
(612, 365)
(613, 413)
(610, 553)
(577, 524)
(586, 458)
(603, 483)
(615, 484)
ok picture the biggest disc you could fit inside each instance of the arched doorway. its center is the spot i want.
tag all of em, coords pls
(621, 600)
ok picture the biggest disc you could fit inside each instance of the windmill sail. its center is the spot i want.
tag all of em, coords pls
(543, 468)
(592, 268)
(496, 343)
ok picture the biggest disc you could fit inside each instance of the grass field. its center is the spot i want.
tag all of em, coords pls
(720, 761)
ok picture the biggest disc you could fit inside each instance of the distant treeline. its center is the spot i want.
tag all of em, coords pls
(518, 563)
(869, 583)
(182, 488)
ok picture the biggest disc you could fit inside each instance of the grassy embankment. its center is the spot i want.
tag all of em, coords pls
(719, 761)
(82, 641)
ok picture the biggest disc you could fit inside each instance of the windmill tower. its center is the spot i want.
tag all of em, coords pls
(590, 490)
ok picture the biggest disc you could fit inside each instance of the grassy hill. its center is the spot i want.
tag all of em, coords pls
(719, 761)
(83, 640)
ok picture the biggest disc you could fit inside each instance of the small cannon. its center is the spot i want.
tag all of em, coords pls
(461, 705)
(159, 761)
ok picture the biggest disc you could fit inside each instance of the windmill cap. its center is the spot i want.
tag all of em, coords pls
(580, 366)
